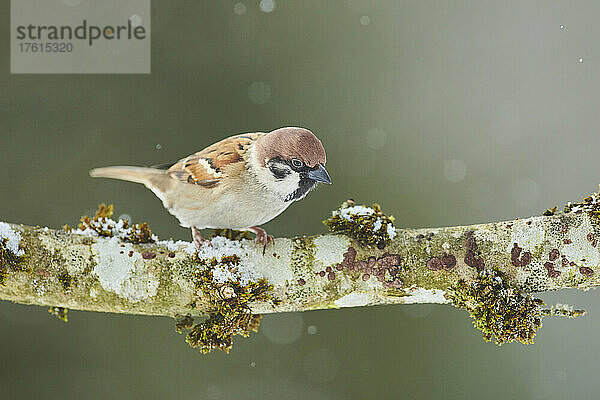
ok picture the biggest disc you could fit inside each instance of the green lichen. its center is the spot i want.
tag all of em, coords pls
(562, 310)
(368, 225)
(60, 313)
(104, 226)
(498, 310)
(66, 280)
(231, 234)
(550, 211)
(9, 261)
(186, 322)
(230, 301)
(590, 205)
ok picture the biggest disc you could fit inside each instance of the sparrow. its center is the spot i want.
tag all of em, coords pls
(239, 183)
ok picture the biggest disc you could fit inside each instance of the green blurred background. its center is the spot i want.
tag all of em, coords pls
(444, 112)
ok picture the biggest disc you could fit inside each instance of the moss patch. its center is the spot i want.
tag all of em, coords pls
(498, 310)
(65, 280)
(230, 300)
(590, 204)
(368, 225)
(9, 261)
(562, 310)
(104, 226)
(231, 234)
(60, 313)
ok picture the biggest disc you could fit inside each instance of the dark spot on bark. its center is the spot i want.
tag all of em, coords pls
(552, 273)
(567, 241)
(328, 269)
(528, 222)
(121, 252)
(572, 263)
(321, 273)
(147, 255)
(515, 253)
(434, 264)
(517, 259)
(349, 257)
(171, 255)
(590, 237)
(131, 253)
(331, 275)
(389, 261)
(301, 282)
(360, 266)
(472, 259)
(587, 271)
(448, 261)
(525, 258)
(385, 268)
(554, 253)
(420, 236)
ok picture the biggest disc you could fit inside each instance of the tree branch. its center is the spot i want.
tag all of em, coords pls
(54, 268)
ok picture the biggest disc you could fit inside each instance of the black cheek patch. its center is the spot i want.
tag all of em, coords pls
(305, 186)
(279, 173)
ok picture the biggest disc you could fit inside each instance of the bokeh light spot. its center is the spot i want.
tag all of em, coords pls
(239, 8)
(376, 139)
(283, 328)
(267, 5)
(455, 170)
(135, 20)
(259, 92)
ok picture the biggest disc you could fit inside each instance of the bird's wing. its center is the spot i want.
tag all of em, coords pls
(209, 166)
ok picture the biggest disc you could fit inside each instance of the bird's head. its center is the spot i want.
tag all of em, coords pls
(291, 162)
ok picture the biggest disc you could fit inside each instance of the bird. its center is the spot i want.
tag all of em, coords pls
(238, 183)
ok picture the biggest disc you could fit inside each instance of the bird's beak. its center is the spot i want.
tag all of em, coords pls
(320, 175)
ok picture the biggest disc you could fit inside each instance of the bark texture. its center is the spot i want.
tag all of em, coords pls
(83, 272)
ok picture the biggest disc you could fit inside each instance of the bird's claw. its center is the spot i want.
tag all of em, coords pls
(262, 237)
(199, 240)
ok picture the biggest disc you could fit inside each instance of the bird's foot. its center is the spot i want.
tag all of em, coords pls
(261, 235)
(198, 239)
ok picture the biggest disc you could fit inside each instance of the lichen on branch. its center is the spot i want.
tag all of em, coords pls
(367, 225)
(490, 270)
(499, 311)
(103, 225)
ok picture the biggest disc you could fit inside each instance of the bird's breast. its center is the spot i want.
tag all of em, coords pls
(231, 209)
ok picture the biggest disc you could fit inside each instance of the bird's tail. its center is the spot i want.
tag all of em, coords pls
(147, 176)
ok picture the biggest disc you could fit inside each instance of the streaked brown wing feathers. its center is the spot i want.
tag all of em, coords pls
(207, 167)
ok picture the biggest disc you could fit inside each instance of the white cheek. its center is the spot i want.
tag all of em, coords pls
(289, 184)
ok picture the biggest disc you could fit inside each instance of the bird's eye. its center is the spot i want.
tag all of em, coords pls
(297, 163)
